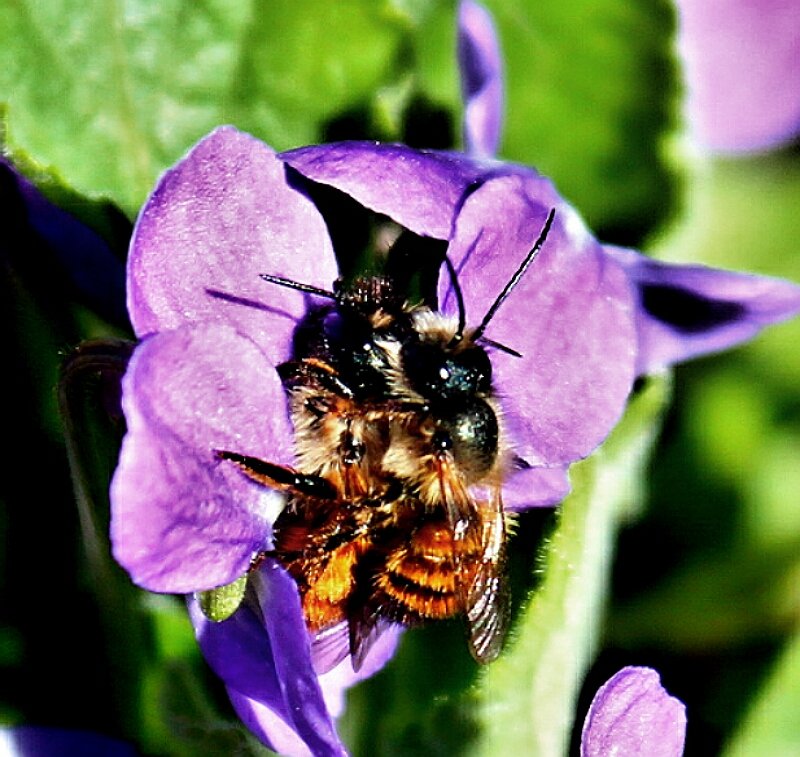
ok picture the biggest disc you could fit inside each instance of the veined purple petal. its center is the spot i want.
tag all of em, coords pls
(263, 656)
(535, 487)
(240, 654)
(420, 189)
(571, 316)
(269, 727)
(632, 714)
(690, 310)
(481, 67)
(182, 520)
(742, 62)
(218, 219)
(283, 621)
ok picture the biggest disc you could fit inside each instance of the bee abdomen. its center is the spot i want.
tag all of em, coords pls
(419, 580)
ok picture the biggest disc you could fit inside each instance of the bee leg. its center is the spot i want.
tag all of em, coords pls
(280, 477)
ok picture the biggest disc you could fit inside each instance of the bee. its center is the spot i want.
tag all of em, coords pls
(394, 508)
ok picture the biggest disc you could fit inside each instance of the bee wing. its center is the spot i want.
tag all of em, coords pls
(486, 599)
(329, 647)
(363, 635)
(356, 638)
(479, 538)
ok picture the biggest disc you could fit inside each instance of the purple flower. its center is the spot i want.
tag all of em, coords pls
(633, 714)
(587, 319)
(742, 62)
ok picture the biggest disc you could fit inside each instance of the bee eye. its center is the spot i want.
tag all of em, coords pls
(476, 361)
(438, 374)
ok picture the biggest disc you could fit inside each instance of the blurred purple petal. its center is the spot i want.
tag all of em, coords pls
(85, 258)
(632, 714)
(571, 317)
(31, 741)
(742, 61)
(218, 219)
(687, 311)
(181, 520)
(481, 67)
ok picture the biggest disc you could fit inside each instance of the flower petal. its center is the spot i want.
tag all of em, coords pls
(420, 189)
(269, 727)
(633, 714)
(481, 67)
(181, 520)
(283, 621)
(570, 315)
(535, 487)
(263, 656)
(689, 310)
(741, 58)
(218, 219)
(337, 680)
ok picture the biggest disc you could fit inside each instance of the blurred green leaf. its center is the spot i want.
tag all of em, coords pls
(741, 214)
(727, 504)
(112, 93)
(715, 602)
(771, 726)
(592, 96)
(181, 720)
(88, 397)
(527, 698)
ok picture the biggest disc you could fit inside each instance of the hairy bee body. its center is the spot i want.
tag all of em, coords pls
(396, 426)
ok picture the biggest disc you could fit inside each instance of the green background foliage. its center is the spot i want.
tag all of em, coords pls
(692, 568)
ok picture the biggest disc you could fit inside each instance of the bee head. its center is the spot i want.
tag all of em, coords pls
(441, 374)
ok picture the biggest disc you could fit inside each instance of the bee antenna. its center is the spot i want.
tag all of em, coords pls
(500, 346)
(462, 313)
(289, 284)
(518, 274)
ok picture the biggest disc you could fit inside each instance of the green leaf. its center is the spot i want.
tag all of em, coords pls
(112, 93)
(527, 698)
(591, 100)
(717, 602)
